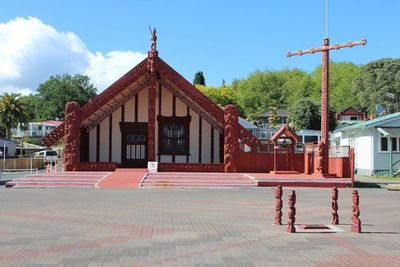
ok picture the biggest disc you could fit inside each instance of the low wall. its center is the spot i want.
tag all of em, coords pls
(97, 166)
(264, 162)
(190, 167)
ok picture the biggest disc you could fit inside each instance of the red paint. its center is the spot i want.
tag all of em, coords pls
(96, 166)
(356, 227)
(335, 216)
(190, 167)
(231, 136)
(291, 212)
(278, 205)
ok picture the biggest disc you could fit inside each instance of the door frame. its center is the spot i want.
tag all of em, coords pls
(133, 128)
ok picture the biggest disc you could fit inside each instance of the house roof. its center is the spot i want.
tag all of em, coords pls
(246, 124)
(280, 112)
(371, 123)
(53, 122)
(350, 110)
(137, 79)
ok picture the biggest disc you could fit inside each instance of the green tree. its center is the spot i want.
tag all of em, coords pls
(264, 89)
(306, 114)
(272, 118)
(374, 81)
(341, 76)
(12, 112)
(52, 95)
(222, 96)
(199, 79)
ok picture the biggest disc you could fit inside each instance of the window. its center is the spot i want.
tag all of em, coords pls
(384, 144)
(310, 139)
(173, 135)
(394, 143)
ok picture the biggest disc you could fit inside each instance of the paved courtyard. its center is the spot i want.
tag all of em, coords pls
(198, 227)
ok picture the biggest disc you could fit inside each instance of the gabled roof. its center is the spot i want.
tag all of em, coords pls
(136, 80)
(246, 124)
(350, 109)
(285, 131)
(371, 123)
(280, 112)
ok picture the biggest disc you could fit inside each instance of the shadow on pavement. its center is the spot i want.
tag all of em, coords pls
(359, 184)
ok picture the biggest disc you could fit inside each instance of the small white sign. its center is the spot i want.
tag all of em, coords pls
(152, 166)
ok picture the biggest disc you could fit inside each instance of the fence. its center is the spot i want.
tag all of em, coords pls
(21, 164)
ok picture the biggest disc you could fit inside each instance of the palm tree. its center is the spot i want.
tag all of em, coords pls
(12, 111)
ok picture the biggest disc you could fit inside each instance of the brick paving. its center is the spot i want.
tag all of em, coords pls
(191, 227)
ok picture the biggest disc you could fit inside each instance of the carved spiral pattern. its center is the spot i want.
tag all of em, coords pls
(278, 205)
(356, 228)
(72, 135)
(335, 216)
(291, 212)
(231, 136)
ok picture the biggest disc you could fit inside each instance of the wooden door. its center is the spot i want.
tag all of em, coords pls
(133, 144)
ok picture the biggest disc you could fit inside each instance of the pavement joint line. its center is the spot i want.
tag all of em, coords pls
(141, 181)
(97, 184)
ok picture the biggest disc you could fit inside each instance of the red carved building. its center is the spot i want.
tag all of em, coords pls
(153, 114)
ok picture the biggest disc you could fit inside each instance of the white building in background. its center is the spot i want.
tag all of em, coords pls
(8, 146)
(35, 129)
(376, 144)
(307, 136)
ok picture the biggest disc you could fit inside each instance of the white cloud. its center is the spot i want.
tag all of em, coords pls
(31, 51)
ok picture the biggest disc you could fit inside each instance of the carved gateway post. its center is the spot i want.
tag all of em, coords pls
(231, 138)
(72, 135)
(322, 161)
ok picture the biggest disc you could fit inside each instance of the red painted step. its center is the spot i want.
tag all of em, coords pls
(62, 180)
(196, 180)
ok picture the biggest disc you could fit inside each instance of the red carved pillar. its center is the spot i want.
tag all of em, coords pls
(356, 227)
(323, 167)
(335, 216)
(291, 212)
(278, 205)
(151, 134)
(72, 136)
(275, 156)
(231, 138)
(152, 59)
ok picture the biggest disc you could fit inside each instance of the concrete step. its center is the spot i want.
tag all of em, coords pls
(53, 186)
(327, 182)
(55, 178)
(197, 180)
(198, 186)
(63, 180)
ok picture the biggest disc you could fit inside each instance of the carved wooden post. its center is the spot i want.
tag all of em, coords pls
(356, 227)
(231, 136)
(278, 205)
(151, 130)
(335, 216)
(152, 58)
(291, 212)
(72, 136)
(275, 156)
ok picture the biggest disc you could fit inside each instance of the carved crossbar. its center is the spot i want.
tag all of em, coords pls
(325, 48)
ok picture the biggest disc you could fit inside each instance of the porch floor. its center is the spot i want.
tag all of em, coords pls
(124, 178)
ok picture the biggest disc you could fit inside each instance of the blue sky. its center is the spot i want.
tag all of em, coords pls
(225, 39)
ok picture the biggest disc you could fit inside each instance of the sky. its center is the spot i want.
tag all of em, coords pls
(227, 40)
